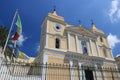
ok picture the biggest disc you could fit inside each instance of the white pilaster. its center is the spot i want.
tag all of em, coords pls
(71, 70)
(91, 46)
(44, 68)
(46, 43)
(98, 50)
(45, 58)
(80, 47)
(47, 26)
(77, 46)
(46, 37)
(69, 48)
(104, 75)
(96, 72)
(80, 70)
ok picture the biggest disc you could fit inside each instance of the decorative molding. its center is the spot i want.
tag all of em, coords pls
(55, 50)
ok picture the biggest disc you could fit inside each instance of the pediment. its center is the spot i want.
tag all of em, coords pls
(81, 30)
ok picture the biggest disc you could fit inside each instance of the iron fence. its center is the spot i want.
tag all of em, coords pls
(39, 71)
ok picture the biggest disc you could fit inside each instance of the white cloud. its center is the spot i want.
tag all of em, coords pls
(114, 11)
(21, 39)
(38, 48)
(113, 40)
(118, 55)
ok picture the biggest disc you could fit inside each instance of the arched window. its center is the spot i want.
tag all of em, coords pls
(57, 43)
(104, 52)
(84, 46)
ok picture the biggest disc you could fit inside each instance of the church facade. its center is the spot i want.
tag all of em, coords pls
(63, 43)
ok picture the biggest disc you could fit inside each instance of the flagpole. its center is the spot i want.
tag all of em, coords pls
(14, 47)
(10, 31)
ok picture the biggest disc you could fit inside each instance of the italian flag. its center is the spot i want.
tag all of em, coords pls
(19, 29)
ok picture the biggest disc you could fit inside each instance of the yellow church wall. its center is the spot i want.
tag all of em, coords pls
(72, 43)
(101, 52)
(89, 50)
(63, 44)
(95, 53)
(109, 53)
(51, 42)
(79, 46)
(106, 42)
(99, 42)
(52, 59)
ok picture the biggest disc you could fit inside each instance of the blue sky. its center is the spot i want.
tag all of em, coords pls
(104, 13)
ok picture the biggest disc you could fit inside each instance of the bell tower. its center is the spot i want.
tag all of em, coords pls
(103, 45)
(52, 34)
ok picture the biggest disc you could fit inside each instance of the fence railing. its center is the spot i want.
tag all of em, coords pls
(39, 71)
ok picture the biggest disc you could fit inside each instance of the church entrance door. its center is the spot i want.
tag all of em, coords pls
(89, 75)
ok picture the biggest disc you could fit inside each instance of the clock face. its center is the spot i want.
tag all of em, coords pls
(57, 27)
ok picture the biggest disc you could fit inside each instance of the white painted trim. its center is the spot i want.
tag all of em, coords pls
(91, 46)
(47, 25)
(98, 50)
(46, 37)
(96, 71)
(80, 47)
(80, 70)
(108, 59)
(104, 75)
(55, 50)
(46, 43)
(77, 46)
(71, 70)
(69, 48)
(45, 58)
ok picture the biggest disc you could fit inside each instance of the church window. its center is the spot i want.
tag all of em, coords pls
(101, 39)
(84, 46)
(57, 43)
